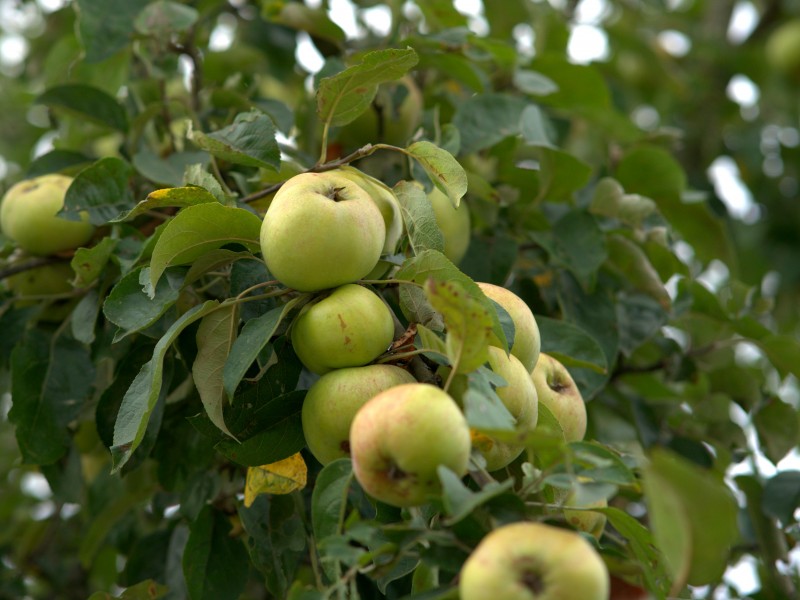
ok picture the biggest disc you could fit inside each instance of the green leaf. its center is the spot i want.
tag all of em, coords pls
(102, 190)
(86, 102)
(486, 119)
(255, 335)
(632, 262)
(280, 436)
(434, 264)
(654, 173)
(344, 96)
(571, 345)
(198, 229)
(781, 496)
(784, 352)
(196, 175)
(84, 316)
(106, 26)
(534, 83)
(215, 564)
(642, 545)
(128, 306)
(296, 15)
(467, 322)
(535, 128)
(329, 505)
(249, 141)
(576, 86)
(170, 169)
(562, 174)
(483, 408)
(180, 197)
(576, 242)
(51, 381)
(778, 427)
(89, 263)
(55, 161)
(140, 399)
(443, 169)
(419, 218)
(163, 17)
(693, 516)
(459, 501)
(215, 337)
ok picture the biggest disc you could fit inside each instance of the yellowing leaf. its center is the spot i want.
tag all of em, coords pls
(282, 477)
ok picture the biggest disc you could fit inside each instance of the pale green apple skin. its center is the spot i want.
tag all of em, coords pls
(399, 438)
(384, 199)
(520, 398)
(534, 561)
(47, 280)
(527, 339)
(557, 390)
(28, 217)
(321, 230)
(332, 402)
(348, 328)
(455, 224)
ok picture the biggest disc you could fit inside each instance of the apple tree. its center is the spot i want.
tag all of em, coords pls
(403, 299)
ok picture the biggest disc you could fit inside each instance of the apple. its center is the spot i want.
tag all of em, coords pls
(454, 222)
(46, 280)
(783, 48)
(28, 216)
(534, 561)
(333, 400)
(527, 341)
(384, 199)
(557, 391)
(588, 521)
(399, 438)
(350, 327)
(321, 230)
(519, 397)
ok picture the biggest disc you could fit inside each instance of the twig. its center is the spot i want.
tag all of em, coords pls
(28, 265)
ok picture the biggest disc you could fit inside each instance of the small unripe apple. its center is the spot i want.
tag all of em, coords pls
(455, 224)
(557, 391)
(28, 216)
(321, 230)
(399, 438)
(350, 327)
(46, 280)
(588, 521)
(332, 402)
(384, 199)
(534, 561)
(527, 340)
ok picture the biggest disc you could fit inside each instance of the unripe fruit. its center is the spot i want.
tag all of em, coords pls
(399, 439)
(557, 391)
(332, 402)
(527, 340)
(321, 231)
(455, 224)
(348, 328)
(28, 217)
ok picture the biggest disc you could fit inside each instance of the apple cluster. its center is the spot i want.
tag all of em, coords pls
(322, 233)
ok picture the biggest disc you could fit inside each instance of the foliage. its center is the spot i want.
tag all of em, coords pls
(162, 402)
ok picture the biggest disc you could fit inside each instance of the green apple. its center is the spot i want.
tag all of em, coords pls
(534, 561)
(332, 402)
(384, 199)
(557, 391)
(454, 223)
(33, 286)
(399, 438)
(519, 397)
(350, 327)
(588, 521)
(321, 231)
(783, 48)
(527, 341)
(28, 216)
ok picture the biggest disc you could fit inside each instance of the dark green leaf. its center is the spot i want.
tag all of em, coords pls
(106, 26)
(778, 427)
(249, 141)
(88, 103)
(101, 190)
(459, 501)
(215, 564)
(571, 345)
(486, 119)
(781, 496)
(163, 17)
(419, 218)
